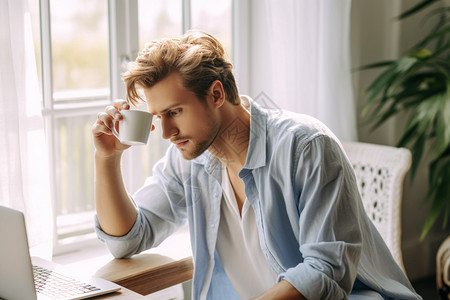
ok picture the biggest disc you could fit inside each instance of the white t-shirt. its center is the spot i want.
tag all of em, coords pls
(238, 246)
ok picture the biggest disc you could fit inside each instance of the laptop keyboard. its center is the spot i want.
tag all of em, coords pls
(55, 285)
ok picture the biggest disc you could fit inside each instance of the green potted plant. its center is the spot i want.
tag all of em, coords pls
(419, 83)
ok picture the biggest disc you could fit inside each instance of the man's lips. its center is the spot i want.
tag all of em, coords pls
(180, 143)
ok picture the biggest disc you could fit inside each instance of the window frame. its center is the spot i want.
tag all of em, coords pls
(122, 26)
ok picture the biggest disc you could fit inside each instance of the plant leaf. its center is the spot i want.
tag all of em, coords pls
(429, 38)
(376, 65)
(443, 124)
(378, 86)
(418, 129)
(439, 68)
(439, 162)
(386, 80)
(446, 215)
(417, 153)
(441, 23)
(441, 14)
(422, 53)
(389, 112)
(416, 8)
(408, 135)
(440, 195)
(431, 218)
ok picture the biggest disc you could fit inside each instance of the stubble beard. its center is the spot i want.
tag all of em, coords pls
(202, 146)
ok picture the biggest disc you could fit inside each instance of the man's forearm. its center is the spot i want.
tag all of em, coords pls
(115, 210)
(282, 291)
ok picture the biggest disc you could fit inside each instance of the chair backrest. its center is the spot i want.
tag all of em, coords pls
(380, 173)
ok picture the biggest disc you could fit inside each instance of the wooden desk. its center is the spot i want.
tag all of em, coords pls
(140, 275)
(123, 294)
(148, 272)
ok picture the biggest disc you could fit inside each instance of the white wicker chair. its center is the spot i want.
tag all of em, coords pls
(380, 172)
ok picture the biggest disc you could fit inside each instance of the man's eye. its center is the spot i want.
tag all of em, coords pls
(173, 113)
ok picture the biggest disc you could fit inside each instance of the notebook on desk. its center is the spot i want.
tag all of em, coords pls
(24, 277)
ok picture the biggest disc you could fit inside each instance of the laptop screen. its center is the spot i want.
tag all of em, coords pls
(16, 274)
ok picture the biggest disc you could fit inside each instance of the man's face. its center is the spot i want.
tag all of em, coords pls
(186, 121)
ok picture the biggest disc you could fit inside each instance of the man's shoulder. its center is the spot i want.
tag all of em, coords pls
(289, 125)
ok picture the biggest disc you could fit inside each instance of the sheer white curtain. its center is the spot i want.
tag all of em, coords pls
(299, 58)
(24, 176)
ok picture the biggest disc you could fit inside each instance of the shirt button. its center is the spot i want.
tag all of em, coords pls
(212, 225)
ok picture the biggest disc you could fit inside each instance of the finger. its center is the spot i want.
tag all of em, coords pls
(100, 128)
(113, 112)
(105, 119)
(121, 104)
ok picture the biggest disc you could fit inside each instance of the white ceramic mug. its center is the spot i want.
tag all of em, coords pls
(134, 128)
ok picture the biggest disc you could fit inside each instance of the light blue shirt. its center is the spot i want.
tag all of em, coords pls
(312, 226)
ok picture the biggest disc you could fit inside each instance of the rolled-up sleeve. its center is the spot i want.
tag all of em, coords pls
(329, 222)
(127, 245)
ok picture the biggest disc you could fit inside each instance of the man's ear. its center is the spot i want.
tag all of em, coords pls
(217, 93)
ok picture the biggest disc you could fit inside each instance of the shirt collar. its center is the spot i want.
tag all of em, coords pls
(256, 155)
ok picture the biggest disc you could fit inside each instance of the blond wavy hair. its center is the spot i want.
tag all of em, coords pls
(197, 57)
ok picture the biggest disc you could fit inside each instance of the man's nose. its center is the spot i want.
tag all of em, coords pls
(168, 128)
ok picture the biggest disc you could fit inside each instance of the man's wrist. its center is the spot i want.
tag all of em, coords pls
(110, 157)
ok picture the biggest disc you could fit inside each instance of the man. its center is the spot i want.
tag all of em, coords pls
(271, 199)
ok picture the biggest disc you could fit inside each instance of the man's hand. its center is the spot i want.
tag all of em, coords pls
(106, 144)
(282, 291)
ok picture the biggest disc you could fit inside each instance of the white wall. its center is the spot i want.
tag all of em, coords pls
(377, 36)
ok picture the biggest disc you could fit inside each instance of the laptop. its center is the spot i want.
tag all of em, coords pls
(27, 278)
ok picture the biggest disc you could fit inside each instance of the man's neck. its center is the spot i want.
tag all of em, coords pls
(231, 144)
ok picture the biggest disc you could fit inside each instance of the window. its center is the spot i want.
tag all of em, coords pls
(214, 17)
(81, 52)
(159, 19)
